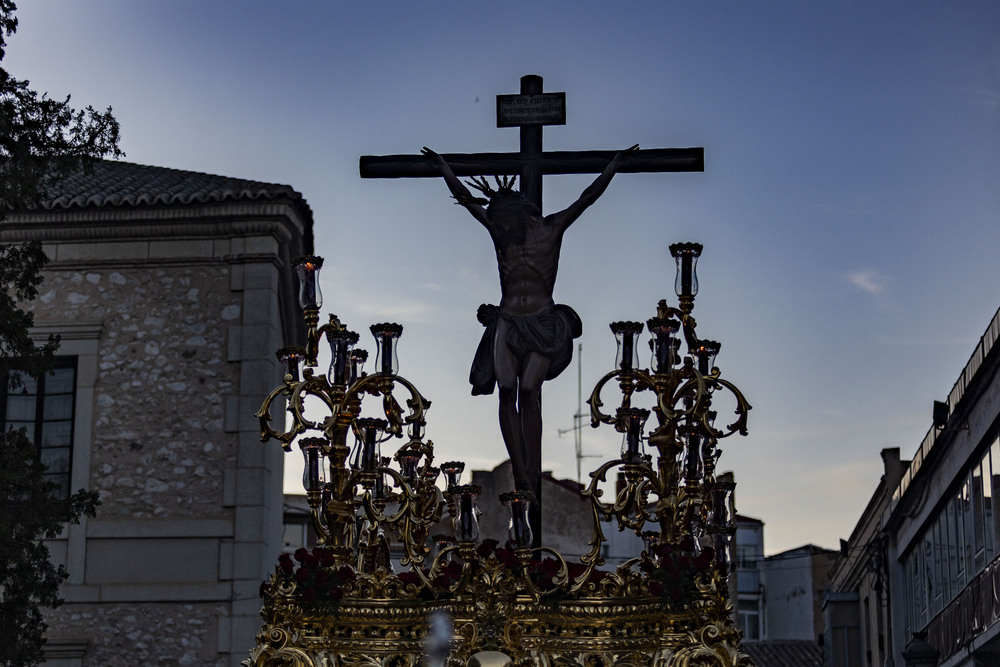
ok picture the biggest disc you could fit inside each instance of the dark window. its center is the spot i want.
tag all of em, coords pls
(748, 615)
(44, 409)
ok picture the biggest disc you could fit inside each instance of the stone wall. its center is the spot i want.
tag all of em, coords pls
(174, 315)
(179, 635)
(159, 447)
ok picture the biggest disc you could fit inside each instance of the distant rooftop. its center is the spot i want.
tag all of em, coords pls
(785, 653)
(804, 550)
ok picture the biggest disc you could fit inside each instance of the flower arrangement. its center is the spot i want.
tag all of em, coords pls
(316, 582)
(672, 568)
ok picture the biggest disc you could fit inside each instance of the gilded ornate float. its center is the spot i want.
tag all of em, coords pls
(345, 603)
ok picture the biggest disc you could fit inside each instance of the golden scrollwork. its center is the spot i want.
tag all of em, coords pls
(346, 604)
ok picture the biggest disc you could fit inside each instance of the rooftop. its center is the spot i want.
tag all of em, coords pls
(786, 653)
(113, 183)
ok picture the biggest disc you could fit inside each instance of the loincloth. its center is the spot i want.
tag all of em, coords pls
(549, 334)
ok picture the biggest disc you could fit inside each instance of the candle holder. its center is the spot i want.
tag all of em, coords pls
(376, 517)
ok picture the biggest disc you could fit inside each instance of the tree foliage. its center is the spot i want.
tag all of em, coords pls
(29, 513)
(41, 139)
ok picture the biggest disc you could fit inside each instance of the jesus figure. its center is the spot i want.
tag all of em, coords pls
(528, 338)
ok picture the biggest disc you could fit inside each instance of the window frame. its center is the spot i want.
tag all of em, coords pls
(63, 479)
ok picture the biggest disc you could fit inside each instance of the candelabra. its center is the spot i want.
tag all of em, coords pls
(345, 603)
(691, 505)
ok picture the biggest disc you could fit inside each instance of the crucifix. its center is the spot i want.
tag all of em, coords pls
(528, 338)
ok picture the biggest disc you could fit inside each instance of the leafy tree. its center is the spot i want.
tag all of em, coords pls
(41, 139)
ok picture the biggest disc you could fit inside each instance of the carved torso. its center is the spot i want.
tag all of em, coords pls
(528, 270)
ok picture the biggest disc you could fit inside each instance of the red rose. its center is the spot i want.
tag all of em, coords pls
(302, 574)
(408, 577)
(597, 576)
(486, 547)
(576, 570)
(346, 574)
(655, 588)
(507, 557)
(326, 558)
(453, 569)
(321, 578)
(309, 596)
(336, 593)
(265, 588)
(662, 549)
(286, 564)
(300, 554)
(684, 562)
(687, 544)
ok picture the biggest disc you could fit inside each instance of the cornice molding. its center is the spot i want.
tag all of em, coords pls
(56, 231)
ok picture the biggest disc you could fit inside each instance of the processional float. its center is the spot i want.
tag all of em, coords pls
(345, 603)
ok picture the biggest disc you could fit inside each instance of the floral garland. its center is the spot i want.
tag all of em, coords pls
(672, 568)
(316, 582)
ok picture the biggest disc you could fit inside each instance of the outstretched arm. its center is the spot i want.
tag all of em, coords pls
(568, 216)
(458, 190)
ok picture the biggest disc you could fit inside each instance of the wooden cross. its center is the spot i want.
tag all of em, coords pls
(529, 111)
(531, 163)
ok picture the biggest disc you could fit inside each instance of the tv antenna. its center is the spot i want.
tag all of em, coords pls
(578, 418)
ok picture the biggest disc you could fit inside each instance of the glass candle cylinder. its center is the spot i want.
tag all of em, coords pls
(386, 334)
(341, 342)
(721, 513)
(467, 522)
(452, 472)
(314, 472)
(694, 468)
(706, 352)
(664, 343)
(371, 430)
(408, 460)
(291, 357)
(634, 419)
(519, 527)
(307, 268)
(628, 353)
(358, 359)
(686, 257)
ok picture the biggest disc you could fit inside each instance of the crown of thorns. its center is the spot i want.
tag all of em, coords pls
(504, 184)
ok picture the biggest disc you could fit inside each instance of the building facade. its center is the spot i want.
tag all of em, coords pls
(171, 291)
(919, 580)
(746, 580)
(795, 582)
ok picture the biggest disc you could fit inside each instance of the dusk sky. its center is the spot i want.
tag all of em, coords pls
(849, 208)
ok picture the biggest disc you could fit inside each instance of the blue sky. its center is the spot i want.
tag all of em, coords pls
(849, 207)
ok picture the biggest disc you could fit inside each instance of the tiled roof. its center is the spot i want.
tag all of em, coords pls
(112, 183)
(788, 653)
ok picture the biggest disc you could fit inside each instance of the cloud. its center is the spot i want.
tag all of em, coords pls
(868, 280)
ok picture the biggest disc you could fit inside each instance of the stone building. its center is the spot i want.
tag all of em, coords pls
(567, 517)
(171, 291)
